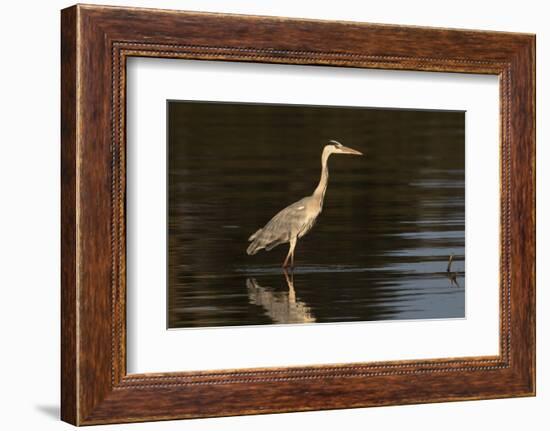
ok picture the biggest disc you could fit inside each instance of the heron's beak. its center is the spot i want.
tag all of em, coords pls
(348, 150)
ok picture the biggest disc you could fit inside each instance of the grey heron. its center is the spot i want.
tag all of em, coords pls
(297, 219)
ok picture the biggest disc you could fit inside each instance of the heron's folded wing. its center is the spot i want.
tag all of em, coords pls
(286, 221)
(254, 235)
(281, 227)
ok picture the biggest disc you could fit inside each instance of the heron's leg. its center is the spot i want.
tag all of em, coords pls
(287, 278)
(292, 246)
(290, 252)
(285, 263)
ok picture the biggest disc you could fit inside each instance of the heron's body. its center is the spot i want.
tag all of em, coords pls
(297, 219)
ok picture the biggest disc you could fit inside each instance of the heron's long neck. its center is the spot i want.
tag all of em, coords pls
(319, 192)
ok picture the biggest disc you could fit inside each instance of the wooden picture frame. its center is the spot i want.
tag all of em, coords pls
(95, 43)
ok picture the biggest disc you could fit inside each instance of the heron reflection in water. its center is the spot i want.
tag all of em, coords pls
(297, 219)
(281, 307)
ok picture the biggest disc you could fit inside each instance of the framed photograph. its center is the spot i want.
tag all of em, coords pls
(397, 214)
(264, 215)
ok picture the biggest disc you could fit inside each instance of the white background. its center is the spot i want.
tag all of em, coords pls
(29, 228)
(151, 348)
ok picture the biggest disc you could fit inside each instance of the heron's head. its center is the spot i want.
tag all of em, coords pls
(335, 147)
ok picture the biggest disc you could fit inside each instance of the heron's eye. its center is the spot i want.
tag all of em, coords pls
(338, 145)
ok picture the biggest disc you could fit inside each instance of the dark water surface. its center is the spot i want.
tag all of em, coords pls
(378, 251)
